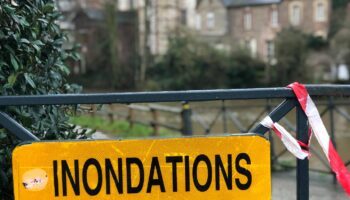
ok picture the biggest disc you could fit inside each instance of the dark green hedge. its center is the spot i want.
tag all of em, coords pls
(32, 62)
(192, 64)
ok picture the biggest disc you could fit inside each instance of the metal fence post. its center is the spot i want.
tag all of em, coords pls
(274, 160)
(110, 114)
(154, 122)
(111, 117)
(224, 116)
(331, 107)
(186, 119)
(302, 165)
(130, 117)
(93, 110)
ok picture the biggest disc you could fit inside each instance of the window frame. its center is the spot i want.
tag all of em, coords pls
(210, 20)
(271, 51)
(296, 15)
(248, 21)
(320, 14)
(274, 18)
(198, 22)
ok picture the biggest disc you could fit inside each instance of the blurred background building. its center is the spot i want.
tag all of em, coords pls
(255, 23)
(142, 29)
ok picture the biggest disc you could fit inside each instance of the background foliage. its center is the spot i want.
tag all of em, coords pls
(32, 62)
(291, 54)
(192, 64)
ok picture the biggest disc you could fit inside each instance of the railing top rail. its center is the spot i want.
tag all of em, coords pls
(172, 96)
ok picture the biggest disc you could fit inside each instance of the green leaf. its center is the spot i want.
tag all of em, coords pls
(16, 18)
(63, 68)
(9, 9)
(7, 47)
(12, 79)
(23, 21)
(36, 47)
(43, 20)
(38, 42)
(29, 80)
(2, 134)
(76, 56)
(48, 8)
(2, 35)
(2, 63)
(25, 41)
(14, 62)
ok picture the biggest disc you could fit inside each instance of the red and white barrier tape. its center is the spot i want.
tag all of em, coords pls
(315, 121)
(288, 140)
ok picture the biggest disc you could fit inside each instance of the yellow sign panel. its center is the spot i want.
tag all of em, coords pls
(225, 167)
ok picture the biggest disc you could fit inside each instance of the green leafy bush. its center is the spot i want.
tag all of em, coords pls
(192, 64)
(316, 43)
(339, 3)
(291, 53)
(244, 71)
(32, 62)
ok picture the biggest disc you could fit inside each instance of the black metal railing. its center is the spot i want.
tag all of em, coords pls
(289, 103)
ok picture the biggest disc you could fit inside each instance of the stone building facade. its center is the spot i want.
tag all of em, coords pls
(212, 22)
(255, 23)
(85, 22)
(164, 17)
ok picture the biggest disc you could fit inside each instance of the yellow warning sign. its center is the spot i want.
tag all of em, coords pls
(223, 167)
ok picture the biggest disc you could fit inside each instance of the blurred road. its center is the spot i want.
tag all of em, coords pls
(321, 187)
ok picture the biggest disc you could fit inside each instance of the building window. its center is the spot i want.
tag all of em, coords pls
(210, 20)
(296, 15)
(198, 22)
(132, 4)
(270, 52)
(252, 46)
(296, 12)
(122, 5)
(274, 18)
(183, 17)
(248, 21)
(320, 13)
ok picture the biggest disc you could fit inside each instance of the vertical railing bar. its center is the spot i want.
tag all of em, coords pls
(302, 165)
(224, 116)
(332, 129)
(272, 141)
(186, 119)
